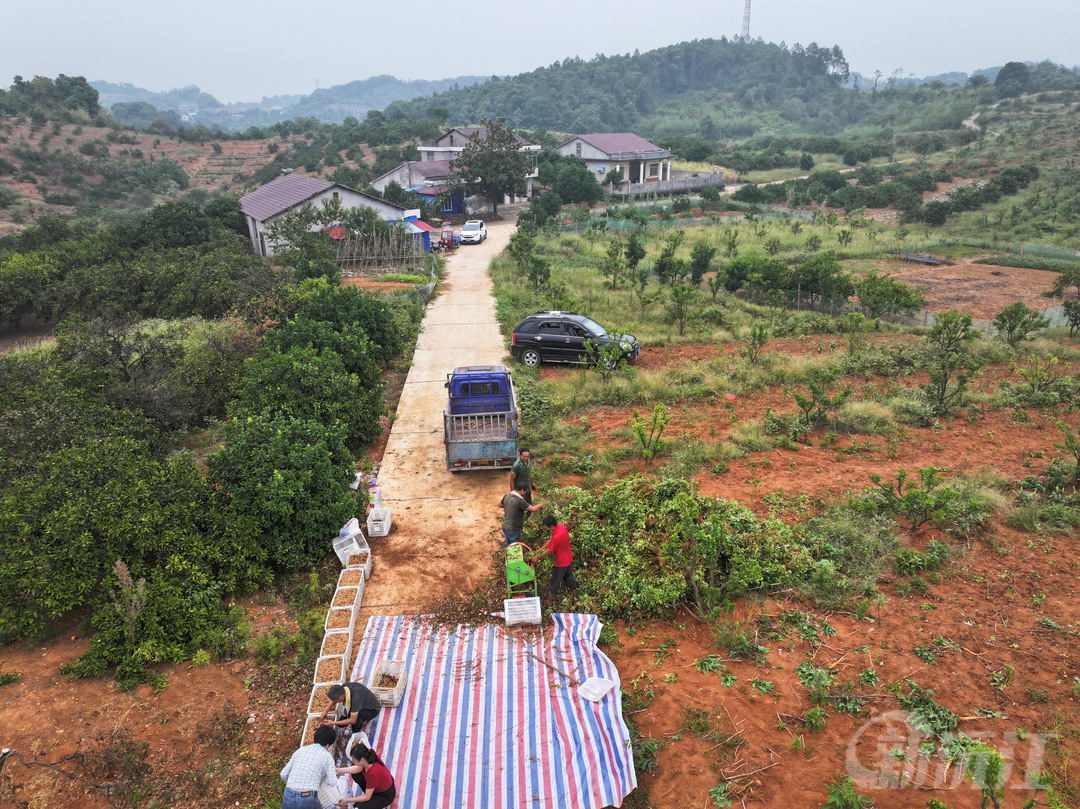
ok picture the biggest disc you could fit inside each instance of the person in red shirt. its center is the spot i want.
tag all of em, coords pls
(375, 784)
(563, 563)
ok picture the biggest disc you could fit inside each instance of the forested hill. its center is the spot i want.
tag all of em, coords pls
(615, 93)
(330, 105)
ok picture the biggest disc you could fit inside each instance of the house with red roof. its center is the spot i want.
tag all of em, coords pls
(291, 191)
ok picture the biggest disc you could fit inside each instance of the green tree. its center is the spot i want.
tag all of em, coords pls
(494, 163)
(1016, 322)
(1072, 315)
(289, 477)
(613, 263)
(635, 250)
(680, 304)
(949, 363)
(878, 293)
(1013, 80)
(310, 384)
(575, 183)
(521, 248)
(700, 261)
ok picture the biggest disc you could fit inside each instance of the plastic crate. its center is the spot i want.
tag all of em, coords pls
(345, 547)
(318, 699)
(313, 721)
(340, 618)
(354, 574)
(330, 668)
(389, 697)
(362, 549)
(378, 522)
(338, 635)
(345, 597)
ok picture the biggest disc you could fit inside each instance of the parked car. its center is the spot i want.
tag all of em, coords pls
(474, 231)
(565, 337)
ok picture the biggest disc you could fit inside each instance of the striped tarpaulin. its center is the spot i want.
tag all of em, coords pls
(484, 724)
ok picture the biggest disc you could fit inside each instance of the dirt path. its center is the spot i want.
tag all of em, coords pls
(442, 522)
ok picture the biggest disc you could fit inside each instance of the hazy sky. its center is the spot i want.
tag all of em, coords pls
(244, 51)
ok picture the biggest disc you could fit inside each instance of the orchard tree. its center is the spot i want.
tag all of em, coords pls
(494, 162)
(289, 477)
(877, 293)
(1016, 322)
(949, 361)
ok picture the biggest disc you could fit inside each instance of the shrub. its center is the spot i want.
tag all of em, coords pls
(866, 418)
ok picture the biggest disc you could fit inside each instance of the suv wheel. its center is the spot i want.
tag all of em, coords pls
(530, 357)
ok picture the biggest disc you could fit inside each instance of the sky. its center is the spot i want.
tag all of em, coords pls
(245, 51)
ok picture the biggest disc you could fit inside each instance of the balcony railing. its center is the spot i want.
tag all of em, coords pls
(667, 186)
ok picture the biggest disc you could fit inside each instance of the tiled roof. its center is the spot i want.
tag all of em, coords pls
(432, 168)
(615, 142)
(481, 133)
(281, 194)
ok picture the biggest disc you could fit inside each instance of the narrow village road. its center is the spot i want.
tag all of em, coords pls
(442, 522)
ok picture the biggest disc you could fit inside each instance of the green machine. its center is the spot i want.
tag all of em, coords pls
(520, 576)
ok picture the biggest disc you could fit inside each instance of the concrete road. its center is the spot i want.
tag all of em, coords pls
(442, 522)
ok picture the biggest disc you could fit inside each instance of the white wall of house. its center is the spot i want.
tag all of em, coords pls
(258, 229)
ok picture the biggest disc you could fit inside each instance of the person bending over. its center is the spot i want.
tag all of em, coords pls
(311, 767)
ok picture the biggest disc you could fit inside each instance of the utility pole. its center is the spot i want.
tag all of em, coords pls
(746, 22)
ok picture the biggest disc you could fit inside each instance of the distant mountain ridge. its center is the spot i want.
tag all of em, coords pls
(331, 105)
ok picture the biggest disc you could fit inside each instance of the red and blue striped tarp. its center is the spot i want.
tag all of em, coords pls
(484, 724)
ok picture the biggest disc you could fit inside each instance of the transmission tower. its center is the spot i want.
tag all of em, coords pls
(746, 21)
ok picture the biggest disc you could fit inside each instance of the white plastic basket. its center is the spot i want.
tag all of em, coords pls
(345, 597)
(313, 721)
(340, 618)
(361, 548)
(347, 634)
(329, 668)
(389, 697)
(345, 547)
(378, 522)
(318, 699)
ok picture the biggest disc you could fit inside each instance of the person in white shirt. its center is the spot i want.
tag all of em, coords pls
(311, 767)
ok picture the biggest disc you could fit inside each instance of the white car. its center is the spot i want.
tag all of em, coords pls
(473, 232)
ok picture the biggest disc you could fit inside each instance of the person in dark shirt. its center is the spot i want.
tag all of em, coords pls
(521, 475)
(361, 706)
(515, 507)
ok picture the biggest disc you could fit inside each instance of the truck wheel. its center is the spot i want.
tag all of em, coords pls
(530, 357)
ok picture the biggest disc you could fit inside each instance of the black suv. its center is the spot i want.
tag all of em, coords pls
(562, 336)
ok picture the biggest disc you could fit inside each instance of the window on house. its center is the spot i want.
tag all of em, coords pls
(448, 204)
(579, 149)
(430, 155)
(654, 169)
(451, 140)
(335, 195)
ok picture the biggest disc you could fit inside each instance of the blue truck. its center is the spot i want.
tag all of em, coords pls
(480, 423)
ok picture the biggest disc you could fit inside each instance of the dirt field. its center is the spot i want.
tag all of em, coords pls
(993, 611)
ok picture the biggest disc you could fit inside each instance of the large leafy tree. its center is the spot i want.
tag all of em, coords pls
(290, 477)
(494, 164)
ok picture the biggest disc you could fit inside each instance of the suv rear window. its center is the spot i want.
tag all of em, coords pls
(526, 327)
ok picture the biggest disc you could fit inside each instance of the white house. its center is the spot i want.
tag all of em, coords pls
(639, 160)
(293, 190)
(449, 145)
